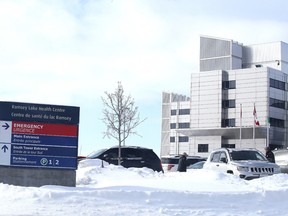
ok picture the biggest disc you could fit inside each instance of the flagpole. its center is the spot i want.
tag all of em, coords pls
(240, 125)
(254, 112)
(268, 126)
(254, 134)
(268, 122)
(177, 142)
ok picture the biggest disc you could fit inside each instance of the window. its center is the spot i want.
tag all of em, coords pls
(228, 103)
(202, 147)
(276, 122)
(173, 112)
(173, 126)
(111, 154)
(277, 103)
(223, 157)
(184, 111)
(277, 84)
(131, 153)
(228, 123)
(229, 84)
(227, 145)
(184, 125)
(216, 157)
(225, 85)
(183, 139)
(232, 84)
(246, 155)
(172, 139)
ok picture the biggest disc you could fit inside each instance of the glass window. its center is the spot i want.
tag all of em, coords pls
(228, 103)
(246, 155)
(173, 112)
(183, 139)
(277, 103)
(173, 126)
(276, 122)
(172, 139)
(232, 84)
(184, 111)
(202, 147)
(228, 123)
(131, 153)
(229, 84)
(223, 157)
(184, 125)
(216, 157)
(227, 145)
(277, 84)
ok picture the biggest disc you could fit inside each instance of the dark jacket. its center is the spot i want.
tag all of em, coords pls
(270, 156)
(182, 165)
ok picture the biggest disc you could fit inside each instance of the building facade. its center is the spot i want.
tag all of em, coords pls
(238, 99)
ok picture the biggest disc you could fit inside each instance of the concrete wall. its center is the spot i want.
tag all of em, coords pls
(37, 177)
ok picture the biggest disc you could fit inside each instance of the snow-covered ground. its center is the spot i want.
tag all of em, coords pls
(114, 190)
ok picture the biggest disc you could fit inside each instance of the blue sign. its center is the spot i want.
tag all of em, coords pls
(43, 151)
(38, 135)
(43, 162)
(29, 112)
(45, 140)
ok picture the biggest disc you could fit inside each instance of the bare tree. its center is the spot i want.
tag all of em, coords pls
(121, 116)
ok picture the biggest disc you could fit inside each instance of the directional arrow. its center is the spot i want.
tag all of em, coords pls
(6, 126)
(5, 148)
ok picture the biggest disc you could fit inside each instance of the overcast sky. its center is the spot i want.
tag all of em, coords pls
(69, 52)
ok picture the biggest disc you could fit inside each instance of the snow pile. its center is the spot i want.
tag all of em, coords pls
(114, 190)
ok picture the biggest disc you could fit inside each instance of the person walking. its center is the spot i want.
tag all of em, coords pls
(269, 155)
(182, 165)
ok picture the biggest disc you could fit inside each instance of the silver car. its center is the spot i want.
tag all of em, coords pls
(170, 162)
(281, 159)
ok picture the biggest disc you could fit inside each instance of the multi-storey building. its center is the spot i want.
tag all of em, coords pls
(237, 86)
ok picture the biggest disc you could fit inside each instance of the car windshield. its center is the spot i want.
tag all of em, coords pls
(95, 154)
(247, 155)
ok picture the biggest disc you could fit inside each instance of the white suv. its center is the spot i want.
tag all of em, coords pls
(245, 163)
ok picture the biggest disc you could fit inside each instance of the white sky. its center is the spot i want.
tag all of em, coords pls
(114, 190)
(71, 52)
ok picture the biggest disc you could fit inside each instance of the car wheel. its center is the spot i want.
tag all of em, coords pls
(230, 172)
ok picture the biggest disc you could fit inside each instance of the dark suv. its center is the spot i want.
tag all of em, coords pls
(131, 156)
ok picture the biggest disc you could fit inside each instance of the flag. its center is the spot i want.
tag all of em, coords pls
(240, 111)
(256, 122)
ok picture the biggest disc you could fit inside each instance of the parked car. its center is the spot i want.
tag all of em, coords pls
(80, 157)
(198, 165)
(281, 159)
(170, 162)
(245, 163)
(131, 156)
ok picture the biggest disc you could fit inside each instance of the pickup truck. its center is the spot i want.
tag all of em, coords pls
(246, 163)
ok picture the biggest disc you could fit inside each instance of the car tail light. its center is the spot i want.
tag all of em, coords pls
(161, 166)
(170, 166)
